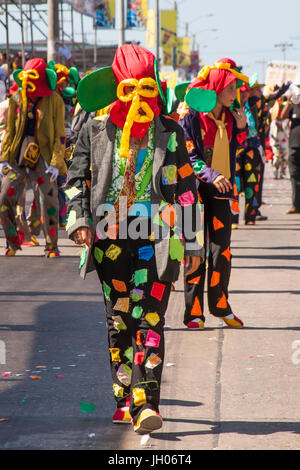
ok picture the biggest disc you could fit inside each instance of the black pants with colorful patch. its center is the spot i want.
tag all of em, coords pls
(12, 188)
(217, 230)
(249, 175)
(136, 302)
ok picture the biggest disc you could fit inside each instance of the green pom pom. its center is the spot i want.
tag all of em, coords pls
(16, 77)
(69, 92)
(51, 78)
(74, 76)
(180, 90)
(97, 90)
(201, 100)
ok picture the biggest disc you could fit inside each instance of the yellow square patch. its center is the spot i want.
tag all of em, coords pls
(139, 396)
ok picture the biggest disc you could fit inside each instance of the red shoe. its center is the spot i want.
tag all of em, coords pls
(196, 324)
(122, 416)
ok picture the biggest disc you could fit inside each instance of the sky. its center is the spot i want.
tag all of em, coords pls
(248, 33)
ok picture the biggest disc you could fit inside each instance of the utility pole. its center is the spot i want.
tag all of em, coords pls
(22, 32)
(263, 62)
(121, 22)
(156, 30)
(53, 29)
(31, 29)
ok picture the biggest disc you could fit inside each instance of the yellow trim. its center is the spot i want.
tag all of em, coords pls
(205, 71)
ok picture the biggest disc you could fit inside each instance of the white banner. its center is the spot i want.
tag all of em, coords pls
(279, 72)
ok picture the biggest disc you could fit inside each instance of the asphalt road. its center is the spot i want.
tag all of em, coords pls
(222, 388)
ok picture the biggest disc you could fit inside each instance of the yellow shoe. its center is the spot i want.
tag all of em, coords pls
(234, 322)
(34, 241)
(10, 252)
(234, 226)
(148, 421)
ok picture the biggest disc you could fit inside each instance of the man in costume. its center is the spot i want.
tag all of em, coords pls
(129, 169)
(213, 125)
(33, 149)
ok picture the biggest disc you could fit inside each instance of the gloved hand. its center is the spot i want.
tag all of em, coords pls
(4, 165)
(53, 171)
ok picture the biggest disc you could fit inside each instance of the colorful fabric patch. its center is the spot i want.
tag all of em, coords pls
(195, 280)
(152, 339)
(189, 145)
(11, 192)
(139, 339)
(98, 254)
(153, 361)
(113, 252)
(146, 252)
(169, 174)
(52, 232)
(168, 215)
(139, 357)
(152, 318)
(115, 354)
(136, 295)
(185, 170)
(71, 219)
(248, 193)
(139, 396)
(118, 391)
(40, 181)
(215, 279)
(176, 248)
(3, 208)
(106, 290)
(82, 258)
(251, 178)
(222, 303)
(196, 310)
(72, 192)
(122, 304)
(119, 286)
(137, 312)
(227, 254)
(248, 166)
(12, 176)
(173, 144)
(186, 199)
(119, 324)
(129, 354)
(157, 290)
(124, 374)
(51, 211)
(217, 224)
(140, 277)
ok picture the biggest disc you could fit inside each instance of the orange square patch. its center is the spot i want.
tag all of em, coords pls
(185, 170)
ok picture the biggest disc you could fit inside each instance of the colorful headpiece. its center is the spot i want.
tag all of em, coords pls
(36, 79)
(63, 73)
(134, 67)
(201, 94)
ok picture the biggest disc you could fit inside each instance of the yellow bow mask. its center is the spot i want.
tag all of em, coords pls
(146, 88)
(27, 85)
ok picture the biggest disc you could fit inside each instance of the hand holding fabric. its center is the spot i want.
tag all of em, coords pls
(53, 171)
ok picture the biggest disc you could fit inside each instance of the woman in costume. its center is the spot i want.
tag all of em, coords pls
(127, 172)
(213, 124)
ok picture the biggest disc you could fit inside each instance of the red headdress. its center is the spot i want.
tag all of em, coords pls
(133, 66)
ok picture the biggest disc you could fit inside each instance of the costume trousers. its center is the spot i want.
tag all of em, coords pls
(217, 230)
(294, 170)
(12, 189)
(248, 179)
(135, 302)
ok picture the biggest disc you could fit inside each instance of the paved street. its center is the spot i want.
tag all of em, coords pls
(222, 388)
